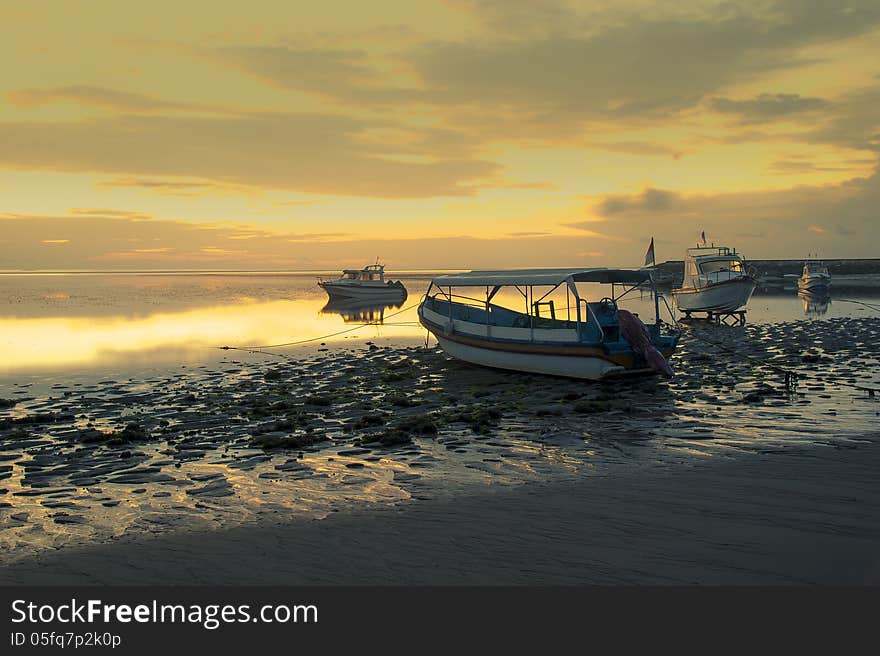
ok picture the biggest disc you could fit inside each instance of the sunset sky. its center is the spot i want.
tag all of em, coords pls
(434, 133)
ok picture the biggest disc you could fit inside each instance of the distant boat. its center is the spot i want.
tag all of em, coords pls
(592, 339)
(815, 277)
(366, 283)
(715, 281)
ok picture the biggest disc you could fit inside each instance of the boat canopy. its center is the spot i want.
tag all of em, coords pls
(553, 277)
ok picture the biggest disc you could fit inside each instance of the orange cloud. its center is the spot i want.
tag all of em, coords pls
(101, 97)
(311, 153)
(178, 187)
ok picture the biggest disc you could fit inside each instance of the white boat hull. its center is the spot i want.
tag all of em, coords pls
(365, 292)
(727, 296)
(552, 365)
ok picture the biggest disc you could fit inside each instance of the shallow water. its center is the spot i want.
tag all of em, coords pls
(221, 437)
(80, 325)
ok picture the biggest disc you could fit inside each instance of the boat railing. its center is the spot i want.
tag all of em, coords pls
(447, 305)
(466, 308)
(461, 300)
(669, 310)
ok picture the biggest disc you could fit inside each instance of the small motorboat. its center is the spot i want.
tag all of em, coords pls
(815, 277)
(366, 283)
(716, 280)
(588, 339)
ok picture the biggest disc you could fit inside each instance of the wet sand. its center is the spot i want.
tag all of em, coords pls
(465, 467)
(807, 515)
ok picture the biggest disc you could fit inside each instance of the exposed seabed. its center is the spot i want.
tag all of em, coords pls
(385, 445)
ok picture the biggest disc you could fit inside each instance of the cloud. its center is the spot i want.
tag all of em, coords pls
(331, 72)
(797, 167)
(295, 203)
(317, 236)
(854, 122)
(214, 250)
(103, 97)
(647, 63)
(324, 154)
(105, 241)
(539, 72)
(539, 186)
(176, 187)
(774, 224)
(113, 236)
(547, 71)
(641, 148)
(851, 121)
(520, 16)
(119, 214)
(650, 200)
(768, 106)
(764, 224)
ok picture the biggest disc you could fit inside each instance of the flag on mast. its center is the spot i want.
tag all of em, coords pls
(649, 255)
(703, 235)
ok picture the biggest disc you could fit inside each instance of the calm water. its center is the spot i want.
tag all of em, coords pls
(66, 327)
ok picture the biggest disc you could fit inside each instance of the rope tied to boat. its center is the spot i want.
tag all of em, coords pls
(260, 349)
(851, 300)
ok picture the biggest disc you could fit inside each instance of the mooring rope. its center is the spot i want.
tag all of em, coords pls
(259, 349)
(851, 300)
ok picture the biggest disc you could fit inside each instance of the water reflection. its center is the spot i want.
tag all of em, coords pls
(60, 326)
(815, 303)
(55, 327)
(59, 342)
(360, 311)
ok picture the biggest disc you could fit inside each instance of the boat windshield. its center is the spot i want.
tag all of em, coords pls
(717, 266)
(362, 275)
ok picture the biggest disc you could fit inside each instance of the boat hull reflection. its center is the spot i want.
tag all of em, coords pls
(816, 303)
(360, 310)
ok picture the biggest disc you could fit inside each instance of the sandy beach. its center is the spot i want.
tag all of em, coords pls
(361, 463)
(807, 515)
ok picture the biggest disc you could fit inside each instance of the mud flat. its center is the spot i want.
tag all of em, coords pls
(804, 516)
(405, 447)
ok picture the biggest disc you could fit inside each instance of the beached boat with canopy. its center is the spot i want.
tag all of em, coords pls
(557, 330)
